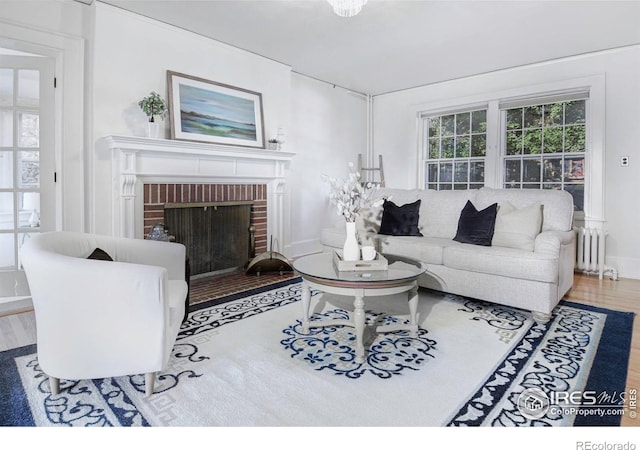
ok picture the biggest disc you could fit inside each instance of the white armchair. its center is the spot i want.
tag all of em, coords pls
(97, 318)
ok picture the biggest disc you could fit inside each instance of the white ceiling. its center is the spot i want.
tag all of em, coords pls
(398, 44)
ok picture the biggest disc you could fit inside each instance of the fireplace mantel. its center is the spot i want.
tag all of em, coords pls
(193, 149)
(136, 161)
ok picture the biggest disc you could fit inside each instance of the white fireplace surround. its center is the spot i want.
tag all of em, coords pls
(137, 161)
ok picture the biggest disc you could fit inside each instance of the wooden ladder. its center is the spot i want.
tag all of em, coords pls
(373, 171)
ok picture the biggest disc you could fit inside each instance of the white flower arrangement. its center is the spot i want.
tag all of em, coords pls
(351, 195)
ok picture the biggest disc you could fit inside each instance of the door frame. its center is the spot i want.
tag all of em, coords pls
(71, 162)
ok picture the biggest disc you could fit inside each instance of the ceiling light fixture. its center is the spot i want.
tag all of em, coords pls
(347, 8)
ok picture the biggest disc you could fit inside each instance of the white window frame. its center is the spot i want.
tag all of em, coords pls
(549, 98)
(423, 156)
(594, 188)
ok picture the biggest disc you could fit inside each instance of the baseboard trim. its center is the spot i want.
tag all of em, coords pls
(626, 267)
(308, 247)
(15, 305)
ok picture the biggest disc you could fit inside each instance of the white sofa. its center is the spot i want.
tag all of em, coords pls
(101, 318)
(535, 278)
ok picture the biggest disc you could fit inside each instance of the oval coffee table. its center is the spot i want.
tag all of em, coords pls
(319, 272)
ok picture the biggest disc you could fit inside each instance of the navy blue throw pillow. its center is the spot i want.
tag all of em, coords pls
(100, 255)
(476, 227)
(400, 220)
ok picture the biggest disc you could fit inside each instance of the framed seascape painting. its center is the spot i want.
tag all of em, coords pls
(206, 111)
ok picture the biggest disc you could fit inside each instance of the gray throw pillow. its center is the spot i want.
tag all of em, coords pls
(517, 228)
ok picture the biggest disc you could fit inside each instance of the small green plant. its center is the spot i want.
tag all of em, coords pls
(274, 141)
(153, 105)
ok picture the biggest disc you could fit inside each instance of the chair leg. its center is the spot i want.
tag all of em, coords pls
(149, 381)
(54, 384)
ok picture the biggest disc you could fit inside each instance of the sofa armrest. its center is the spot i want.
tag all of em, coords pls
(551, 241)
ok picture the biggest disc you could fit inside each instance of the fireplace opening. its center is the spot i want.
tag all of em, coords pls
(160, 198)
(218, 235)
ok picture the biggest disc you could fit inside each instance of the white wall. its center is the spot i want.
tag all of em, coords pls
(395, 133)
(324, 125)
(131, 57)
(328, 131)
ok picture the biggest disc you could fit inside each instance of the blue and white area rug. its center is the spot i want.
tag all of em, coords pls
(247, 362)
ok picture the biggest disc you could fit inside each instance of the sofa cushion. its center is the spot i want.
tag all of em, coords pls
(400, 220)
(503, 261)
(440, 211)
(476, 227)
(517, 228)
(557, 206)
(426, 249)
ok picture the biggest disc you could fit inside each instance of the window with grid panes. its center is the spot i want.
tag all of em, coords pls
(544, 148)
(454, 150)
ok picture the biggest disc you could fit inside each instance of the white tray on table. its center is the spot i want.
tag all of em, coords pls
(378, 263)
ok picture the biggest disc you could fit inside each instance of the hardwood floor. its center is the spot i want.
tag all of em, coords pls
(17, 330)
(623, 295)
(216, 286)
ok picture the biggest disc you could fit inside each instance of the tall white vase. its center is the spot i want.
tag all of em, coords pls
(351, 250)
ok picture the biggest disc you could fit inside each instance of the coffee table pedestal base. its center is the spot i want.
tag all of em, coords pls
(357, 318)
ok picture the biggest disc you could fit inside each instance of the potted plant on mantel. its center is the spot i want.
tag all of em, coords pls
(153, 106)
(272, 144)
(276, 142)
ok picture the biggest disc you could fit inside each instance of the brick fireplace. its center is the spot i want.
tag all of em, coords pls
(147, 173)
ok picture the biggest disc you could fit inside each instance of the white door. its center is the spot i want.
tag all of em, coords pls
(27, 193)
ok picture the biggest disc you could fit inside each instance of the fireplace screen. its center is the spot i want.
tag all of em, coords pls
(216, 234)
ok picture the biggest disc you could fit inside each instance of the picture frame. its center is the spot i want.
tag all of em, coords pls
(206, 111)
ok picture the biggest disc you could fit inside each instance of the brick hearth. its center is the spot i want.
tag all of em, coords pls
(157, 194)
